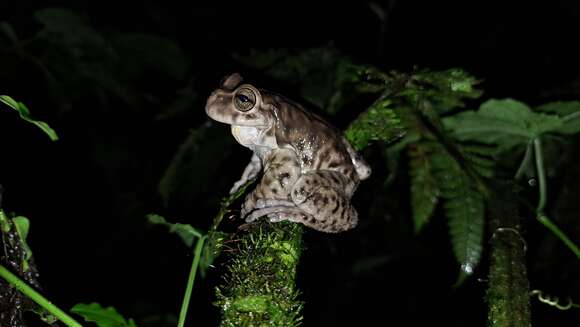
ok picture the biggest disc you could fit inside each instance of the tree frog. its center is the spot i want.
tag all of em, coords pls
(310, 171)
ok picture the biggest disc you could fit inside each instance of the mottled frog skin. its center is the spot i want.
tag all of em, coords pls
(310, 171)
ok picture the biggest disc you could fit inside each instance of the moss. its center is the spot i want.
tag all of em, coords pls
(259, 288)
(508, 293)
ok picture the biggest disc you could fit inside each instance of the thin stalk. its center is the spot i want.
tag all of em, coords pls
(37, 297)
(191, 280)
(526, 161)
(541, 175)
(570, 116)
(544, 220)
(559, 234)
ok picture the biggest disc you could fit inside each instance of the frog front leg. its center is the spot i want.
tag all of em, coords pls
(319, 201)
(252, 170)
(281, 171)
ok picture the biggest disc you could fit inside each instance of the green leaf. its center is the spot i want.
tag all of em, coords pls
(379, 122)
(445, 90)
(22, 225)
(569, 111)
(501, 122)
(324, 76)
(8, 30)
(480, 157)
(454, 80)
(144, 52)
(424, 190)
(193, 166)
(25, 115)
(102, 317)
(464, 210)
(186, 232)
(72, 37)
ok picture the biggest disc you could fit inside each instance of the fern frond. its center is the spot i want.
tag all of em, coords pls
(425, 192)
(464, 210)
(379, 122)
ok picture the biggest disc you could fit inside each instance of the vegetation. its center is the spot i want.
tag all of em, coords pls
(465, 189)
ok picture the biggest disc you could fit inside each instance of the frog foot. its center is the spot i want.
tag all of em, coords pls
(266, 203)
(277, 213)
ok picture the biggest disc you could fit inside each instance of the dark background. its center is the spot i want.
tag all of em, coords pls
(87, 194)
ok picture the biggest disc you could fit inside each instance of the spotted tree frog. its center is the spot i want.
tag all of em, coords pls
(310, 171)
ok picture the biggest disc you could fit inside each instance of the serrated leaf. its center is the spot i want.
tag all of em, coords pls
(466, 220)
(455, 80)
(569, 111)
(379, 122)
(102, 317)
(424, 190)
(24, 113)
(480, 158)
(186, 232)
(501, 122)
(445, 90)
(464, 210)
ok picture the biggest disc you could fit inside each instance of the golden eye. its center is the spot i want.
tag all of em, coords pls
(245, 99)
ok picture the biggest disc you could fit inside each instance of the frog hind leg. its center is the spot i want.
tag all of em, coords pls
(321, 195)
(293, 214)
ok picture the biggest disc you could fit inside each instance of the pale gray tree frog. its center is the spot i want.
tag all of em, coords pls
(310, 171)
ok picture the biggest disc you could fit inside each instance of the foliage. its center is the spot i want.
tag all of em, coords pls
(102, 317)
(444, 162)
(378, 123)
(504, 123)
(464, 208)
(186, 232)
(415, 123)
(438, 167)
(24, 113)
(108, 67)
(322, 75)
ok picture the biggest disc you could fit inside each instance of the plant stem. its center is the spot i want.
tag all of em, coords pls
(526, 161)
(37, 297)
(541, 175)
(559, 234)
(508, 287)
(544, 220)
(191, 280)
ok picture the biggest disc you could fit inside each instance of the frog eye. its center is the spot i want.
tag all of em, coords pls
(245, 99)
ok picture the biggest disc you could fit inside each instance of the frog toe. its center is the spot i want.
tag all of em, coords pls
(266, 203)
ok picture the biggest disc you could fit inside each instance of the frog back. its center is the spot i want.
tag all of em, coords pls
(317, 144)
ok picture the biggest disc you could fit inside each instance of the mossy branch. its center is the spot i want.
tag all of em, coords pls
(259, 287)
(508, 295)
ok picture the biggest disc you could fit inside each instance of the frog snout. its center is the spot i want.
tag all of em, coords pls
(215, 98)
